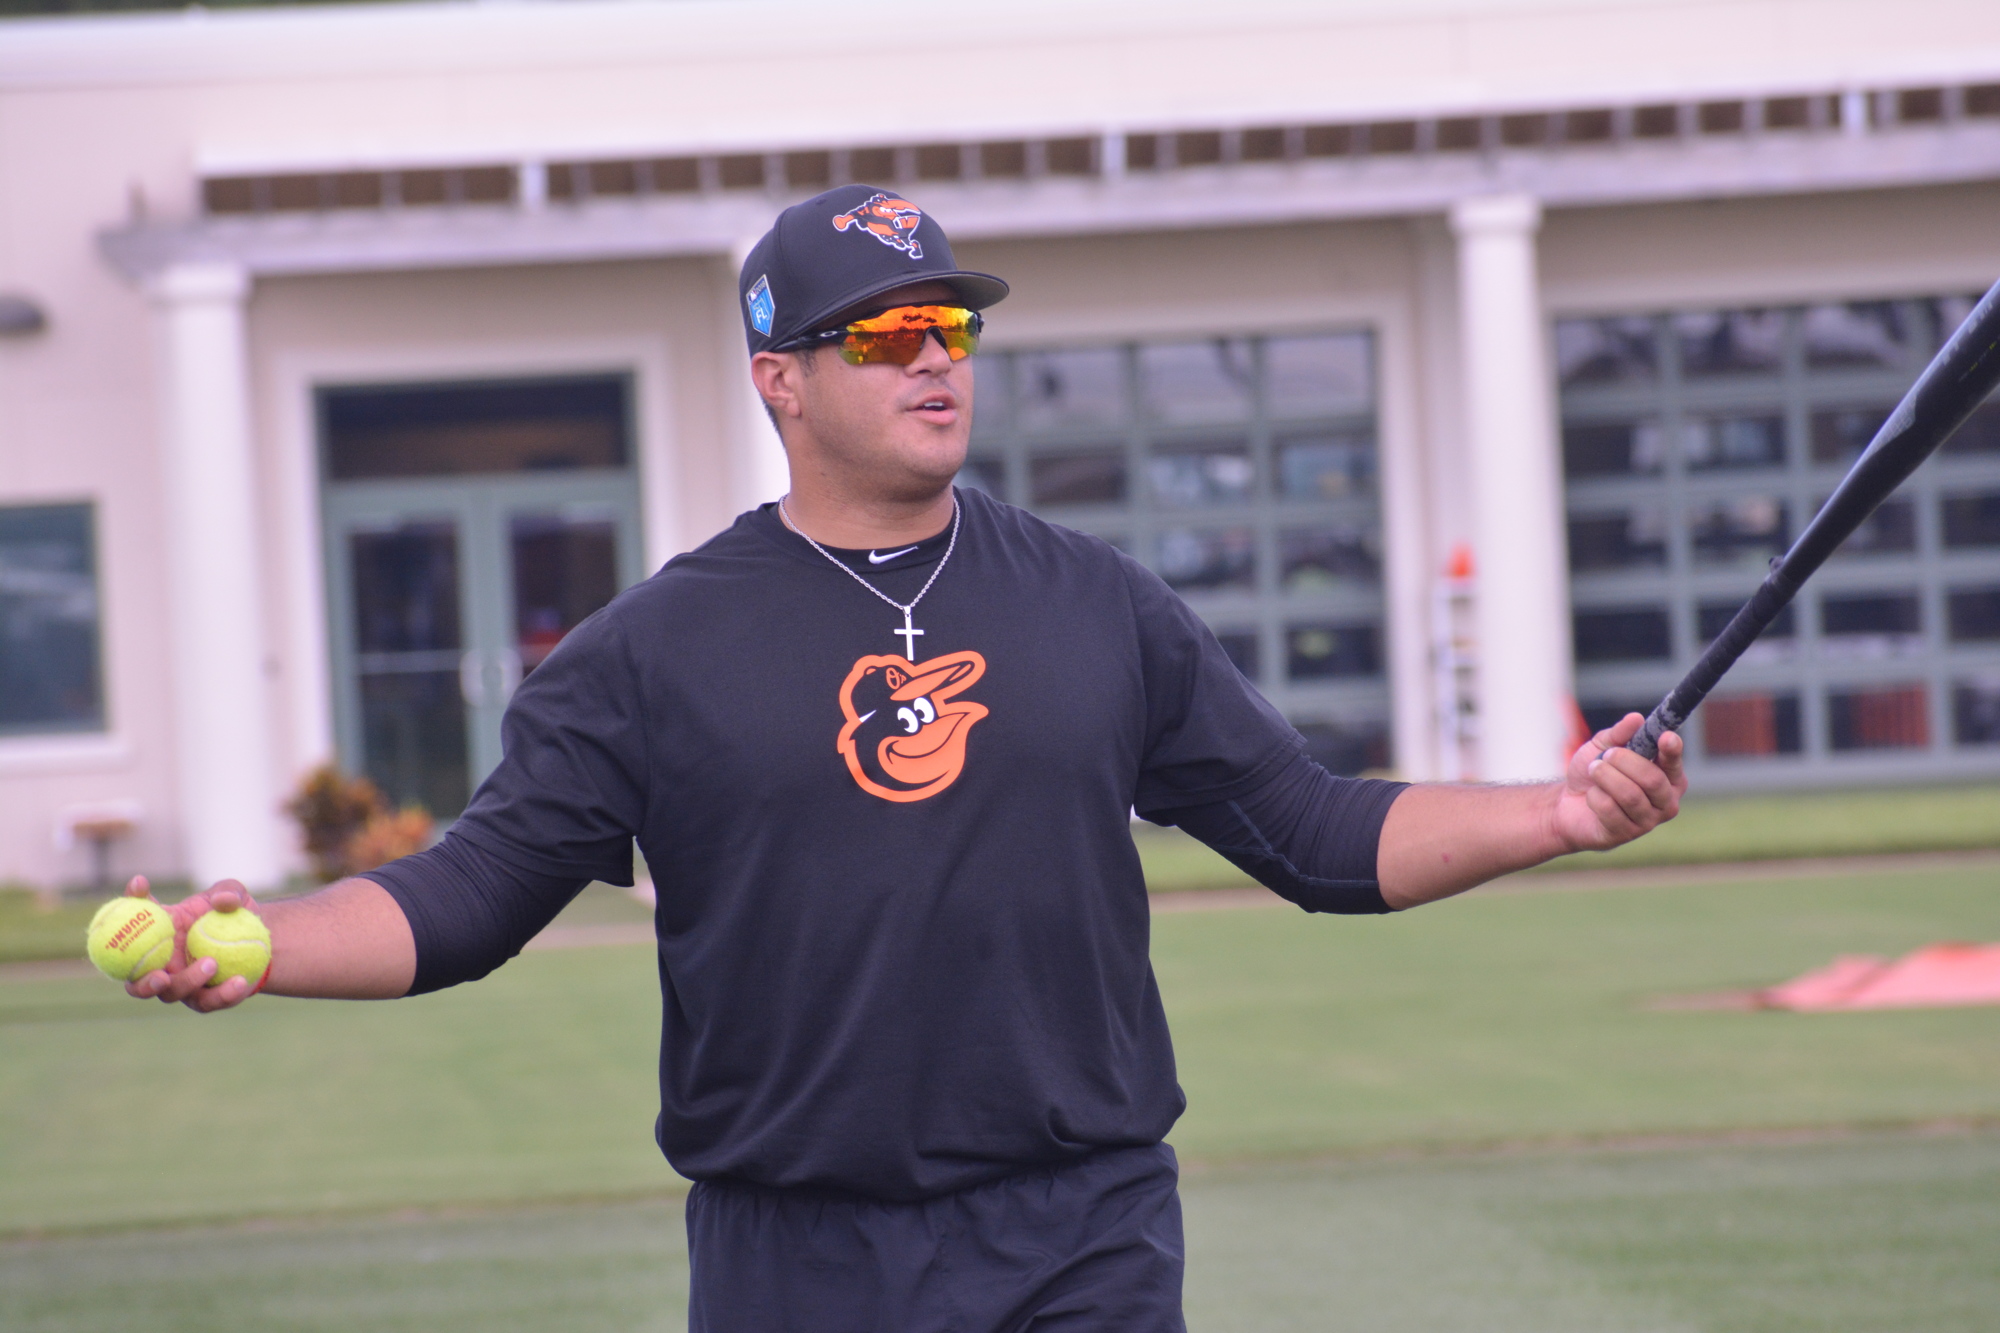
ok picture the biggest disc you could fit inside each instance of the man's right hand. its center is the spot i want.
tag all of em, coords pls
(180, 982)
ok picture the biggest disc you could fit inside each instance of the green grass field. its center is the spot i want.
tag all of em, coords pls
(1710, 829)
(1466, 1117)
(1883, 1233)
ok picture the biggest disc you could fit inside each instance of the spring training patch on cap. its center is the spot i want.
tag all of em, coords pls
(762, 308)
(889, 220)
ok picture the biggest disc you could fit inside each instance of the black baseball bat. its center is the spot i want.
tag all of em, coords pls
(1955, 382)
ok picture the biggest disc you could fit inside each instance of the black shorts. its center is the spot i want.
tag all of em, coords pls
(1090, 1245)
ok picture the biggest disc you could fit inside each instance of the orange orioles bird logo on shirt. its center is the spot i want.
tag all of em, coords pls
(889, 220)
(906, 729)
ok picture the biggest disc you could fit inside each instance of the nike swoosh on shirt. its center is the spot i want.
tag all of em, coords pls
(876, 558)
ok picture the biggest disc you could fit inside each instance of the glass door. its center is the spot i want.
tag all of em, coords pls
(448, 589)
(400, 598)
(446, 595)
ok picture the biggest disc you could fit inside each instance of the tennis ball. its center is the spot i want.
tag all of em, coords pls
(130, 937)
(238, 941)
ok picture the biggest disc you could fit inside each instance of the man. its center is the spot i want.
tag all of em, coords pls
(879, 743)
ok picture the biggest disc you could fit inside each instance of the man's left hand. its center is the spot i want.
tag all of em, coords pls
(1611, 795)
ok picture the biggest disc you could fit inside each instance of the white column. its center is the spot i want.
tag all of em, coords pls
(230, 820)
(758, 473)
(1519, 543)
(1406, 543)
(1445, 520)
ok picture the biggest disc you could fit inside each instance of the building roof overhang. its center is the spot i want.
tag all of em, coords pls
(530, 227)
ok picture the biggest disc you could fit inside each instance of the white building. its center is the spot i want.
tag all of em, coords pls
(349, 355)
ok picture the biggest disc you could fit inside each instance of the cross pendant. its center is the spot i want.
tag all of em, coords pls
(908, 634)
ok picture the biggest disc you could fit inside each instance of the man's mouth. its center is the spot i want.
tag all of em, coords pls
(936, 407)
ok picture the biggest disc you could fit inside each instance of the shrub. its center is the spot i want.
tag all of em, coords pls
(331, 808)
(386, 836)
(347, 826)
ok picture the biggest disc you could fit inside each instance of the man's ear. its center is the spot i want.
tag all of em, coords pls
(777, 376)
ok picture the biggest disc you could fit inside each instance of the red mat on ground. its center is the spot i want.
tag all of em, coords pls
(1935, 976)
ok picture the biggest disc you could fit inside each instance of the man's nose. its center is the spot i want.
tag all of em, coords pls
(935, 357)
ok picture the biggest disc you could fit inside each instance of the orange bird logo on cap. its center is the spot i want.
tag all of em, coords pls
(889, 220)
(905, 733)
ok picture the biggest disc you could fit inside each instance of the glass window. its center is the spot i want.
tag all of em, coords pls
(1748, 389)
(413, 733)
(1975, 711)
(408, 634)
(1739, 532)
(1206, 458)
(1733, 442)
(1858, 334)
(1613, 448)
(1093, 477)
(1881, 718)
(1622, 634)
(434, 430)
(51, 677)
(1628, 539)
(1316, 559)
(1972, 520)
(1070, 387)
(1320, 651)
(1973, 614)
(1606, 351)
(1328, 375)
(1204, 560)
(1730, 342)
(1329, 466)
(1190, 476)
(1748, 726)
(1882, 624)
(1839, 434)
(406, 588)
(1196, 381)
(565, 567)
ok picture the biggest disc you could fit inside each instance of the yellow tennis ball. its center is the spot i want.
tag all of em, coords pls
(130, 937)
(238, 941)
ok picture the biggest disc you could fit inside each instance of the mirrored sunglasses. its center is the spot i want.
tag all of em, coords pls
(897, 336)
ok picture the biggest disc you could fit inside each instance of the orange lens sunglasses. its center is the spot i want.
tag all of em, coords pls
(897, 336)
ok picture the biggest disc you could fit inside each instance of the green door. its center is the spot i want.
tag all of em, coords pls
(447, 590)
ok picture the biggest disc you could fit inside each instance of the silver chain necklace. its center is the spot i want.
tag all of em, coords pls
(908, 634)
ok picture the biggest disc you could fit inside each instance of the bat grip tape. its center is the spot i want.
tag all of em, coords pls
(1771, 597)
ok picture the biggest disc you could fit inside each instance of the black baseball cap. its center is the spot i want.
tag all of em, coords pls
(836, 250)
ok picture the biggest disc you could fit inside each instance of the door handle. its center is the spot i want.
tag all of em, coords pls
(509, 661)
(472, 679)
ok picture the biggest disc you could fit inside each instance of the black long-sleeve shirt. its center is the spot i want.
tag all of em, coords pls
(902, 927)
(1306, 835)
